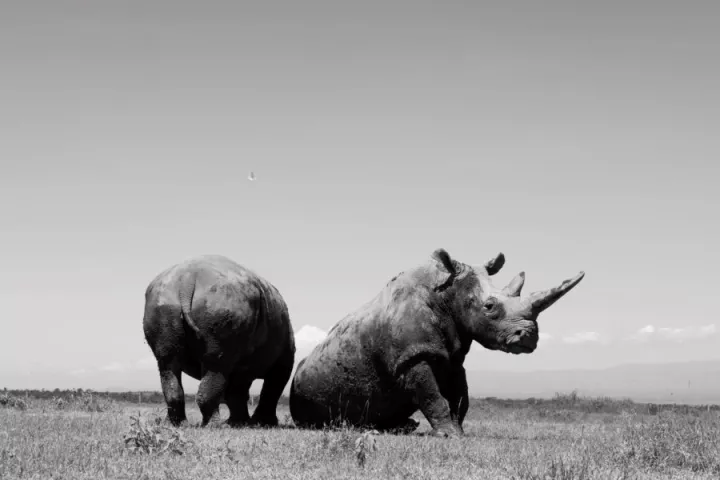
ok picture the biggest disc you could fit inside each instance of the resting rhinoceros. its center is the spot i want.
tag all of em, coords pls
(404, 350)
(224, 325)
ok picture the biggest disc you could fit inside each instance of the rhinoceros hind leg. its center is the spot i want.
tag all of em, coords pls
(171, 380)
(265, 413)
(209, 393)
(236, 398)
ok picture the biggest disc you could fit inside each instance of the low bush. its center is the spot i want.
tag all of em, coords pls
(11, 401)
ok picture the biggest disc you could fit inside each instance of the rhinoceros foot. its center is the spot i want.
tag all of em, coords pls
(264, 421)
(175, 421)
(237, 422)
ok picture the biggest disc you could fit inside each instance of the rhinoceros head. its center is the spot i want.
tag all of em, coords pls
(498, 319)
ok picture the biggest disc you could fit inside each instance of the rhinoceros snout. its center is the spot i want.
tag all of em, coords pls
(522, 341)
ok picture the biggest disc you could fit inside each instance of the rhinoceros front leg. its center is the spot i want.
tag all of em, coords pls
(422, 383)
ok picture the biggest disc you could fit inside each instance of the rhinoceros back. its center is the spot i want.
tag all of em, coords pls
(232, 311)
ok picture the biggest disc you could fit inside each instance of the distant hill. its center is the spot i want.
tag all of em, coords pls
(688, 383)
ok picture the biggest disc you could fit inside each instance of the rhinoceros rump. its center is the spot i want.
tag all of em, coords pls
(404, 350)
(224, 325)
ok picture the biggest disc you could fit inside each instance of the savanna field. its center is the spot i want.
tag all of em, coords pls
(85, 435)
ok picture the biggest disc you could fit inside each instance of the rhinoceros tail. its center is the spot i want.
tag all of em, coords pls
(186, 293)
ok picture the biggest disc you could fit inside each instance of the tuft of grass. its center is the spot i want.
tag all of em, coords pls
(83, 402)
(153, 437)
(90, 402)
(505, 440)
(564, 468)
(672, 440)
(59, 403)
(336, 441)
(365, 444)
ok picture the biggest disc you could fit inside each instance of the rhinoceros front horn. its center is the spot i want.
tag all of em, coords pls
(540, 301)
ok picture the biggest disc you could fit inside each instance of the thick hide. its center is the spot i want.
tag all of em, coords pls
(221, 323)
(404, 350)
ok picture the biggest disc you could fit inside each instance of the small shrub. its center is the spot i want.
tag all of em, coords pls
(560, 416)
(153, 437)
(10, 401)
(365, 444)
(343, 442)
(59, 403)
(89, 402)
(566, 400)
(609, 405)
(336, 441)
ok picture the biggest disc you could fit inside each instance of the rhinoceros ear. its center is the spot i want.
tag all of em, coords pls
(443, 257)
(494, 265)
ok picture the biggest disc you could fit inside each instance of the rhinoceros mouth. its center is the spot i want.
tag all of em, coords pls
(518, 348)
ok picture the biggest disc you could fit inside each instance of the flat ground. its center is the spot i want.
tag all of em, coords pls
(563, 440)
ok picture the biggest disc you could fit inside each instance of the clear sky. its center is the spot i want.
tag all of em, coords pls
(570, 137)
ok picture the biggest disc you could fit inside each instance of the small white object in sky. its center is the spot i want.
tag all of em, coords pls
(251, 177)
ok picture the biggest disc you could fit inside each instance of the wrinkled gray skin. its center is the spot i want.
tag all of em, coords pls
(404, 350)
(224, 325)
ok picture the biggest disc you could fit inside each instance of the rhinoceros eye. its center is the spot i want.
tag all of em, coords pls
(490, 304)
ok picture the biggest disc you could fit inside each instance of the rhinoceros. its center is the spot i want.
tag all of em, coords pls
(404, 350)
(226, 326)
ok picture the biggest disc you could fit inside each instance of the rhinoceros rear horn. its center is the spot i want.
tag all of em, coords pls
(540, 301)
(515, 286)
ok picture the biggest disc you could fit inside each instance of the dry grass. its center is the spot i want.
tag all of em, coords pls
(561, 439)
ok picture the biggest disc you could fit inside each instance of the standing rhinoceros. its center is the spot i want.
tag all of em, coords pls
(404, 350)
(225, 326)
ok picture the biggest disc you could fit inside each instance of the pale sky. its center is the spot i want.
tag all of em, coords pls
(568, 137)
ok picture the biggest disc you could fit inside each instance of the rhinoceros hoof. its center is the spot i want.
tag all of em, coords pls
(264, 421)
(234, 423)
(173, 422)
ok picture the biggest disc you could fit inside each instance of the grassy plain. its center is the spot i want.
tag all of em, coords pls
(567, 438)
